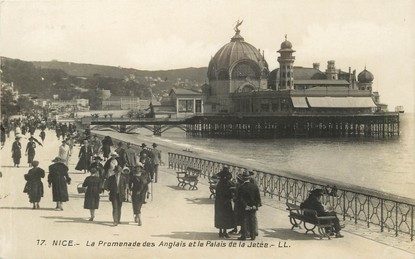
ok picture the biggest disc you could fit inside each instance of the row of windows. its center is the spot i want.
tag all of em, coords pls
(284, 75)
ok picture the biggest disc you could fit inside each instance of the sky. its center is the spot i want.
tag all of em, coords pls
(158, 34)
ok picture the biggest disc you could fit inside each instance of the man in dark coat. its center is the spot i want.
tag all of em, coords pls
(250, 200)
(122, 155)
(58, 178)
(313, 202)
(117, 185)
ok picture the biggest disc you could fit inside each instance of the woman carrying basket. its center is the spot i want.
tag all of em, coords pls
(93, 189)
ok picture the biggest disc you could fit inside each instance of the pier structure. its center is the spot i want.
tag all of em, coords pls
(381, 125)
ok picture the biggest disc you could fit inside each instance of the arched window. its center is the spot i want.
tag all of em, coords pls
(223, 75)
(244, 70)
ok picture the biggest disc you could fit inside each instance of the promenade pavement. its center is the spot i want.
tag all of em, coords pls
(177, 223)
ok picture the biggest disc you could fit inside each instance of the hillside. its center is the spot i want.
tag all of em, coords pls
(89, 70)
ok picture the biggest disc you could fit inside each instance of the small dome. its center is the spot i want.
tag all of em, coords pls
(286, 45)
(365, 77)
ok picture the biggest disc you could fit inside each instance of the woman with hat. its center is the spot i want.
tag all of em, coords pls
(17, 151)
(110, 164)
(224, 216)
(313, 202)
(137, 185)
(34, 184)
(30, 151)
(58, 179)
(93, 184)
(85, 154)
(99, 168)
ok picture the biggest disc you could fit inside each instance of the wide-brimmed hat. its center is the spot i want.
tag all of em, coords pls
(225, 174)
(139, 164)
(155, 145)
(143, 145)
(58, 159)
(113, 153)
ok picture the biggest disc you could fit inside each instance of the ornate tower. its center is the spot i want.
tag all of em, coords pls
(286, 60)
(331, 71)
(365, 79)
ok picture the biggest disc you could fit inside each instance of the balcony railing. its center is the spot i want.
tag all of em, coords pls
(385, 213)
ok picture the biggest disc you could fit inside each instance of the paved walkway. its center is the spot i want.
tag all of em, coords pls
(176, 223)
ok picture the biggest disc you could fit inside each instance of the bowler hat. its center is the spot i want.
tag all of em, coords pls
(245, 175)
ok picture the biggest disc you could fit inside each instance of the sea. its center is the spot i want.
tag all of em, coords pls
(386, 165)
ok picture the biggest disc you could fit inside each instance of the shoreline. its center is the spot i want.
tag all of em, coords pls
(166, 147)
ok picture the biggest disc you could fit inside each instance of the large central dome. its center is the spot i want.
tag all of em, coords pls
(235, 52)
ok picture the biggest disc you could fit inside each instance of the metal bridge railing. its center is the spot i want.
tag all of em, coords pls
(384, 213)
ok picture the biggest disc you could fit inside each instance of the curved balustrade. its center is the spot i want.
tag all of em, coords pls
(388, 214)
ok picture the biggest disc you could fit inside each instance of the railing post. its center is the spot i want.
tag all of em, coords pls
(396, 219)
(368, 211)
(344, 205)
(355, 208)
(381, 215)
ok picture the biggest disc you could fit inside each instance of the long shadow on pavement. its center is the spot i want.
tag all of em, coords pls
(24, 208)
(188, 235)
(175, 187)
(200, 201)
(61, 219)
(287, 234)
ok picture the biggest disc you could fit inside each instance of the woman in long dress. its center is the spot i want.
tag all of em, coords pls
(35, 185)
(85, 155)
(93, 184)
(16, 151)
(30, 151)
(58, 179)
(224, 215)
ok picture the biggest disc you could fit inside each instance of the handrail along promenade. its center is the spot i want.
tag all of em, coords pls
(390, 212)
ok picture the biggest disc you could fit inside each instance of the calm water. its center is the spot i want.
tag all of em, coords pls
(381, 164)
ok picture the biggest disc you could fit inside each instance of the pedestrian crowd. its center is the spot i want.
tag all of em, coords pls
(127, 173)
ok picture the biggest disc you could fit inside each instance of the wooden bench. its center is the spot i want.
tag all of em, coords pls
(213, 182)
(189, 177)
(307, 216)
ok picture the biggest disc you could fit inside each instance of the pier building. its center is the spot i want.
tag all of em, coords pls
(243, 98)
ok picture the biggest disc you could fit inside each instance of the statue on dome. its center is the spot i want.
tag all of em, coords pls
(238, 23)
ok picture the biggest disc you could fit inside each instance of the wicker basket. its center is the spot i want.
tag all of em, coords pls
(81, 189)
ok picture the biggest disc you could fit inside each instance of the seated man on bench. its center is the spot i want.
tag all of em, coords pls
(313, 202)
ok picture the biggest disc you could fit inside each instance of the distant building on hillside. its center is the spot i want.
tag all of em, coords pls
(124, 103)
